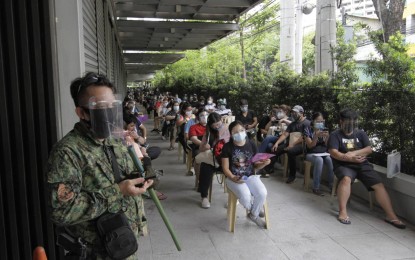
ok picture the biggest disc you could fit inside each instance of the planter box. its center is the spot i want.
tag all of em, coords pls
(401, 190)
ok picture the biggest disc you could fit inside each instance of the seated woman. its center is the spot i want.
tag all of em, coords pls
(216, 134)
(196, 133)
(240, 172)
(316, 138)
(186, 114)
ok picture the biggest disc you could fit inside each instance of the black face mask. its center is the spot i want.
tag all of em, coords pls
(102, 122)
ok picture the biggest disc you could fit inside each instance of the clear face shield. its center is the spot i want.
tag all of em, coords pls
(106, 116)
(348, 125)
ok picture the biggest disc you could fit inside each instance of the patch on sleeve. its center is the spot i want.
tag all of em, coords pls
(65, 193)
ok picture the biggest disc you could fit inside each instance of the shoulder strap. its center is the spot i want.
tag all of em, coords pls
(115, 166)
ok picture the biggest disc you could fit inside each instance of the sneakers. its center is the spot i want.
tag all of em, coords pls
(205, 203)
(290, 180)
(163, 138)
(257, 220)
(318, 192)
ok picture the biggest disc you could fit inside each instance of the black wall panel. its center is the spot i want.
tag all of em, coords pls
(27, 127)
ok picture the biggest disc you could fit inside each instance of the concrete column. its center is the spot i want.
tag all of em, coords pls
(287, 36)
(325, 35)
(70, 59)
(298, 61)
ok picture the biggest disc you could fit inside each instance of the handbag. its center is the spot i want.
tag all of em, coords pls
(205, 157)
(118, 237)
(393, 164)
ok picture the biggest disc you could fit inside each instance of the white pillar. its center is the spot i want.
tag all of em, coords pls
(70, 59)
(298, 61)
(325, 35)
(287, 28)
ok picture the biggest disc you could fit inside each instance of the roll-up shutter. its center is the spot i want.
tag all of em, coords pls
(114, 57)
(108, 47)
(90, 35)
(102, 62)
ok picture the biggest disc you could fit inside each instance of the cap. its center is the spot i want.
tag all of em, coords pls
(298, 109)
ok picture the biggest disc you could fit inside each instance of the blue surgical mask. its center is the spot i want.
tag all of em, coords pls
(319, 126)
(239, 137)
(219, 127)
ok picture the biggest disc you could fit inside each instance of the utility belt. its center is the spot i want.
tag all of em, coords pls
(116, 235)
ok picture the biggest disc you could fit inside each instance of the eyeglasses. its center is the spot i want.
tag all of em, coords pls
(90, 80)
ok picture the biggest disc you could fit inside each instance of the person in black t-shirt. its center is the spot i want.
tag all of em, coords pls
(295, 131)
(349, 148)
(247, 117)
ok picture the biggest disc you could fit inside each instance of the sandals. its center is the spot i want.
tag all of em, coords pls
(171, 148)
(396, 223)
(345, 221)
(161, 195)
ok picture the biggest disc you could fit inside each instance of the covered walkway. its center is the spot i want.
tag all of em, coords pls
(302, 225)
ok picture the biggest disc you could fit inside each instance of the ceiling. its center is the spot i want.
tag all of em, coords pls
(154, 33)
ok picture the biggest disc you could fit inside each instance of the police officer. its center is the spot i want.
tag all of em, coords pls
(88, 170)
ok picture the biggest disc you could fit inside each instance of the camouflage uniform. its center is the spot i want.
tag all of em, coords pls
(82, 185)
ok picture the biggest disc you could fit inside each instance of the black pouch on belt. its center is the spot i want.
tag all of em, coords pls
(117, 236)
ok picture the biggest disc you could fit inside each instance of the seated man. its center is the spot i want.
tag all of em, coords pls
(248, 118)
(295, 146)
(349, 147)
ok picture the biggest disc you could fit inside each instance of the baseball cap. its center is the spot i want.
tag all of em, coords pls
(298, 109)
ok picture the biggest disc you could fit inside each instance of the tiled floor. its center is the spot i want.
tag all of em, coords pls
(302, 225)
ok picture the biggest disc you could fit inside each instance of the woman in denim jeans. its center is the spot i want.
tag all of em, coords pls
(316, 137)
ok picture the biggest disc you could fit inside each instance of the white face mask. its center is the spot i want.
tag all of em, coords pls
(203, 119)
(209, 102)
(222, 107)
(176, 108)
(244, 108)
(188, 113)
(239, 137)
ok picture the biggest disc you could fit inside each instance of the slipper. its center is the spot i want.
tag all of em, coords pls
(345, 221)
(396, 223)
(161, 196)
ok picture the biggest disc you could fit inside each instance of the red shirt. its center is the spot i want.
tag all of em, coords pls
(197, 130)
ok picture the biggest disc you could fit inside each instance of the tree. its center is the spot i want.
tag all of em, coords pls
(390, 13)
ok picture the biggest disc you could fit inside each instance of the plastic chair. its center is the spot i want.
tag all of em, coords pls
(231, 212)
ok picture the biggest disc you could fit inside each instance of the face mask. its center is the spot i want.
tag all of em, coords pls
(222, 107)
(244, 108)
(239, 137)
(296, 116)
(280, 115)
(203, 119)
(319, 126)
(176, 108)
(165, 104)
(188, 113)
(209, 102)
(202, 103)
(347, 127)
(219, 127)
(102, 122)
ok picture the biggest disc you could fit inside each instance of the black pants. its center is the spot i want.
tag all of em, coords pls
(205, 178)
(153, 152)
(292, 154)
